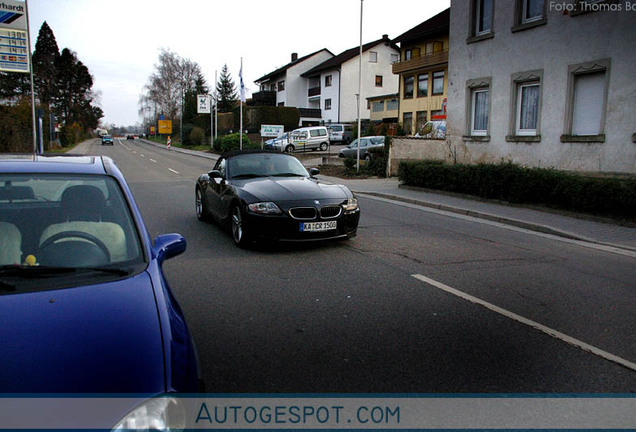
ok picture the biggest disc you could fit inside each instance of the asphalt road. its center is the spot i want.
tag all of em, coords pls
(419, 302)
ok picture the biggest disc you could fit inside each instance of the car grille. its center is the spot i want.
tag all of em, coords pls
(311, 213)
(303, 213)
(329, 212)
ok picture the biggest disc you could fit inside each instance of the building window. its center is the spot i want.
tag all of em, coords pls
(532, 10)
(373, 57)
(483, 17)
(408, 87)
(281, 85)
(394, 58)
(529, 14)
(411, 53)
(378, 106)
(392, 105)
(378, 80)
(587, 108)
(438, 82)
(420, 120)
(479, 111)
(525, 107)
(527, 115)
(327, 104)
(328, 79)
(407, 122)
(587, 101)
(422, 85)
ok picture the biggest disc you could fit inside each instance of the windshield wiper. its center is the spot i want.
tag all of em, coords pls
(44, 271)
(288, 174)
(246, 176)
(7, 287)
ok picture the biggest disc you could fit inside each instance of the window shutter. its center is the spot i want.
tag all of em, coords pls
(589, 91)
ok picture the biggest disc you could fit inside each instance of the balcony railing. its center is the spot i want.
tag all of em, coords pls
(425, 61)
(315, 91)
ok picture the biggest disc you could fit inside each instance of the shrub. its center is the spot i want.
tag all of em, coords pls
(611, 197)
(232, 142)
(197, 136)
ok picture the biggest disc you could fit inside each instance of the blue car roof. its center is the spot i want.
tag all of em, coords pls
(55, 164)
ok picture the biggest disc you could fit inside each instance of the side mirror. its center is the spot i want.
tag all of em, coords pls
(215, 174)
(168, 246)
(314, 172)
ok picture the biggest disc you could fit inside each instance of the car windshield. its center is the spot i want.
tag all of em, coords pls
(265, 165)
(54, 225)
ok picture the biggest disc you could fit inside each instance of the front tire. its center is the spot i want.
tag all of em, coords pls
(323, 146)
(201, 209)
(239, 234)
(289, 149)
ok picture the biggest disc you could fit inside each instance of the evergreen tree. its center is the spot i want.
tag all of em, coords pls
(226, 93)
(45, 59)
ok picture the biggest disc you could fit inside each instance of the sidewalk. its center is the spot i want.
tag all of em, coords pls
(578, 228)
(583, 228)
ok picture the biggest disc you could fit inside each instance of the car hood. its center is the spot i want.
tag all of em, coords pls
(102, 338)
(281, 189)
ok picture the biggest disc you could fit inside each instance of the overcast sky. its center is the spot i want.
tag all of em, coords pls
(119, 40)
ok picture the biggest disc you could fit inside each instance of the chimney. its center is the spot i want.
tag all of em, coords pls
(294, 57)
(385, 38)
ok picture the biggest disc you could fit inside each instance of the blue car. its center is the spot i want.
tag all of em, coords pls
(84, 304)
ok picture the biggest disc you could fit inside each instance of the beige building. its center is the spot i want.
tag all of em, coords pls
(544, 84)
(423, 72)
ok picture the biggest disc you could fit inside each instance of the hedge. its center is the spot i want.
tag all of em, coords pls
(603, 196)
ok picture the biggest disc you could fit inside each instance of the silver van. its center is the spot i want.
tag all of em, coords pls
(308, 138)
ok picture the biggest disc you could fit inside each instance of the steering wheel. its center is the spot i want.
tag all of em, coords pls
(76, 234)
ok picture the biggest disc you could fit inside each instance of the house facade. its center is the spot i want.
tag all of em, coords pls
(423, 72)
(543, 84)
(333, 84)
(286, 87)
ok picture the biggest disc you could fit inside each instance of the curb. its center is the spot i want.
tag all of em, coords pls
(499, 219)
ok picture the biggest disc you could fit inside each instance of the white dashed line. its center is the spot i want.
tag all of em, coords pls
(555, 334)
(176, 172)
(152, 160)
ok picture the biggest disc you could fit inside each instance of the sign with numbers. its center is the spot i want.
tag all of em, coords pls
(14, 56)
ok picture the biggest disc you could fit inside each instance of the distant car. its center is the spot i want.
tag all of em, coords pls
(264, 194)
(308, 138)
(84, 304)
(130, 137)
(277, 144)
(107, 140)
(339, 133)
(369, 144)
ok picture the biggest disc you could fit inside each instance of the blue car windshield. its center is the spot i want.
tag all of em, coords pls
(62, 221)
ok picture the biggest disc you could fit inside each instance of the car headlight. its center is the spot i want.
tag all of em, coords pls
(350, 205)
(161, 414)
(264, 208)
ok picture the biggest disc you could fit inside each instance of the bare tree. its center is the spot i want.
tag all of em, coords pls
(172, 79)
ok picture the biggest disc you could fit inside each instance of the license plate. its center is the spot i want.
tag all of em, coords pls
(318, 226)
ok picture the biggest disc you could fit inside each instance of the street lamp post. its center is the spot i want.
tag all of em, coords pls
(359, 90)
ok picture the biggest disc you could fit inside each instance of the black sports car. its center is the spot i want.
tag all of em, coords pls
(269, 194)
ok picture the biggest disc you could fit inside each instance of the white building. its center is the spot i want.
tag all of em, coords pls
(285, 86)
(333, 84)
(543, 83)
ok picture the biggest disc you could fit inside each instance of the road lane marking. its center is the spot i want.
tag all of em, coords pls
(152, 160)
(176, 172)
(551, 332)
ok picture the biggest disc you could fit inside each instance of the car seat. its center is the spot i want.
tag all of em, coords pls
(10, 244)
(82, 207)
